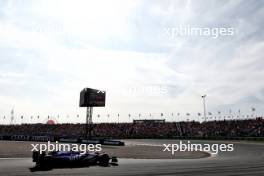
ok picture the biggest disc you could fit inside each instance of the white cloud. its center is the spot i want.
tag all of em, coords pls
(51, 50)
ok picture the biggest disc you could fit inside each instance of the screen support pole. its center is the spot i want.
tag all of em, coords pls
(89, 122)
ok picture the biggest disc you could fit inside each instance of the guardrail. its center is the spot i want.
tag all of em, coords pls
(117, 142)
(60, 139)
(222, 138)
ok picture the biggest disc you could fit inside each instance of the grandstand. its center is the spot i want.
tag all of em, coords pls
(169, 130)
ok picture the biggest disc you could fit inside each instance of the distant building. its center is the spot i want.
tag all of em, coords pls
(149, 121)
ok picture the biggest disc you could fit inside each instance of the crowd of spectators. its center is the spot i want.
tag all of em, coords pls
(226, 128)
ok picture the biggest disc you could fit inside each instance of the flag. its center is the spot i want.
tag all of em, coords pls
(12, 115)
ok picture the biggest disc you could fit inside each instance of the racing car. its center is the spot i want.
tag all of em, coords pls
(59, 159)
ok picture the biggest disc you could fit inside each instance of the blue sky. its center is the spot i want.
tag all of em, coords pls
(50, 50)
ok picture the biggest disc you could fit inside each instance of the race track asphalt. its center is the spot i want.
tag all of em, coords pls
(247, 159)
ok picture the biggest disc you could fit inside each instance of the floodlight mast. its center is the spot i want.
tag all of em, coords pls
(203, 97)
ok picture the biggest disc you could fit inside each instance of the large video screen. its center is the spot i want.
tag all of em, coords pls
(92, 98)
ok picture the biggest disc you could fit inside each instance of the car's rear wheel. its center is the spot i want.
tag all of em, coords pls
(103, 160)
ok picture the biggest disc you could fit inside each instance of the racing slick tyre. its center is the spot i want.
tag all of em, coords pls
(103, 160)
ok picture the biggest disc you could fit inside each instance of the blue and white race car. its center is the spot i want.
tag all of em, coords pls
(70, 160)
